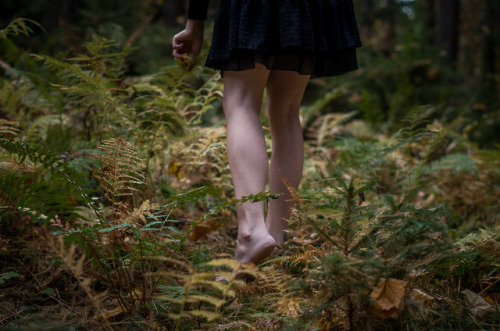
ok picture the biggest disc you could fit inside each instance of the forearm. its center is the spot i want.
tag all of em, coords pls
(195, 27)
(190, 40)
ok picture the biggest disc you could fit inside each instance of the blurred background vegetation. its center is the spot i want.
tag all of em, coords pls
(444, 54)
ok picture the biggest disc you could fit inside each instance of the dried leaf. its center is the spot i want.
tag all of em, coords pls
(489, 300)
(421, 296)
(175, 168)
(388, 296)
(203, 229)
(478, 306)
(289, 307)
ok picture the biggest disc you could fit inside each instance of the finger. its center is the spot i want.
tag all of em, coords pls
(177, 44)
(177, 41)
(179, 55)
(178, 48)
(179, 38)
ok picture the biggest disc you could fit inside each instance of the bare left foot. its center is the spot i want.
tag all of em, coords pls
(254, 247)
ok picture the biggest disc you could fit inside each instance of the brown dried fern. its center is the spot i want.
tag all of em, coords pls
(275, 281)
(8, 129)
(120, 172)
(189, 304)
(202, 159)
(75, 264)
(307, 253)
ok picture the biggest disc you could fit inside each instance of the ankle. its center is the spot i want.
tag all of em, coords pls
(250, 234)
(277, 231)
(246, 235)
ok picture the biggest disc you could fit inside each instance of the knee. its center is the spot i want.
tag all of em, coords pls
(284, 114)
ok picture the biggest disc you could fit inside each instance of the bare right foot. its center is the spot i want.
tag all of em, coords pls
(254, 247)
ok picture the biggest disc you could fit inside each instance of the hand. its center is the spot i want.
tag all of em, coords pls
(188, 41)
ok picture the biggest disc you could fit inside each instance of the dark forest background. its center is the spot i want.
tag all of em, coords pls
(447, 50)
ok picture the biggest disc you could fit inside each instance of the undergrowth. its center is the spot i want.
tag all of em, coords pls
(115, 211)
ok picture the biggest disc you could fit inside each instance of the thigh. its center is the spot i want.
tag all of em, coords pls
(285, 90)
(244, 89)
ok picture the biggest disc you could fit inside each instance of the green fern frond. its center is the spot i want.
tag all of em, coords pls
(13, 92)
(51, 197)
(415, 127)
(455, 163)
(312, 110)
(80, 81)
(39, 200)
(94, 80)
(328, 126)
(18, 26)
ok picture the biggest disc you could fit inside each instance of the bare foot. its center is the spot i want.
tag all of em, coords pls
(254, 247)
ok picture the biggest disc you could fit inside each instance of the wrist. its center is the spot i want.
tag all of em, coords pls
(195, 26)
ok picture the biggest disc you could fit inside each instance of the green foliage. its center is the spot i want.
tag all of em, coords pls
(5, 276)
(18, 26)
(90, 80)
(104, 179)
(45, 199)
(455, 163)
(363, 221)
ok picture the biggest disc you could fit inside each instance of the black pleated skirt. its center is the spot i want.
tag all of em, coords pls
(311, 37)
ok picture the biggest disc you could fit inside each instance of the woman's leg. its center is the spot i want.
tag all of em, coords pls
(284, 95)
(243, 93)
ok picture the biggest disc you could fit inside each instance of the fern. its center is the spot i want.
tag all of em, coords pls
(203, 155)
(12, 94)
(326, 127)
(8, 129)
(93, 81)
(455, 163)
(75, 264)
(312, 110)
(481, 238)
(44, 199)
(344, 245)
(121, 169)
(40, 201)
(18, 26)
(5, 276)
(187, 299)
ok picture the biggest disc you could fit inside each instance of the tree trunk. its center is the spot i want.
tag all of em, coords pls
(430, 21)
(69, 11)
(491, 49)
(172, 9)
(447, 37)
(389, 35)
